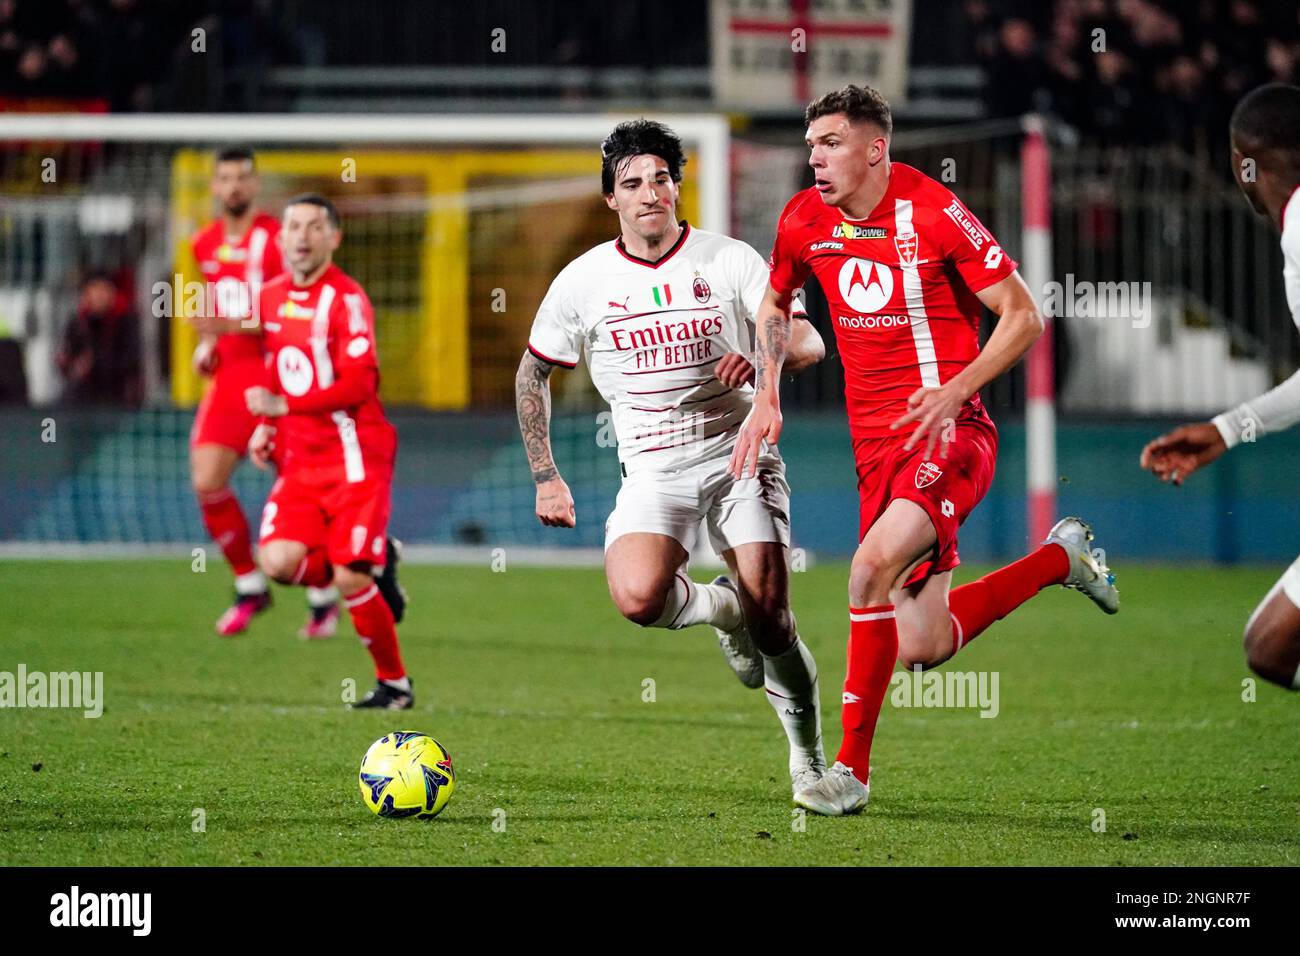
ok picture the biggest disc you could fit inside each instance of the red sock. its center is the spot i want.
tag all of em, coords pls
(225, 521)
(873, 648)
(976, 605)
(374, 625)
(314, 570)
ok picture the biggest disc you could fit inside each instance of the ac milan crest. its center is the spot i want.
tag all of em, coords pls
(927, 473)
(701, 290)
(906, 246)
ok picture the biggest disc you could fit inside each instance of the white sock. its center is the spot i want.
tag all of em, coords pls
(790, 680)
(689, 603)
(402, 683)
(254, 582)
(322, 597)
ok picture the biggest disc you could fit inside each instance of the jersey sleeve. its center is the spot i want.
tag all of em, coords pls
(352, 321)
(787, 270)
(556, 335)
(753, 281)
(971, 248)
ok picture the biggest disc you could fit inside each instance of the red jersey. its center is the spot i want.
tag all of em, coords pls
(901, 287)
(320, 352)
(235, 268)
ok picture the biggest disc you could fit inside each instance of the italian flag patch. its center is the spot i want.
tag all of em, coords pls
(663, 298)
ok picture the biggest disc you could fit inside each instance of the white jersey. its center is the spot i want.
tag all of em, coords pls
(1279, 408)
(652, 334)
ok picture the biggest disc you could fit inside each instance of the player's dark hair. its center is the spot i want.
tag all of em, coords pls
(859, 103)
(1268, 118)
(316, 199)
(236, 154)
(635, 138)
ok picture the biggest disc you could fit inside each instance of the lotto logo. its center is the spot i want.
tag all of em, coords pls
(946, 507)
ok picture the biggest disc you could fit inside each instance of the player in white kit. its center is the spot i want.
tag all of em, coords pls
(1266, 162)
(664, 314)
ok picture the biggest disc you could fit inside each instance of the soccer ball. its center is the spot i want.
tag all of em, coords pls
(406, 774)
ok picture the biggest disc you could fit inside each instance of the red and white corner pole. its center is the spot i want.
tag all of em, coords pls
(1040, 398)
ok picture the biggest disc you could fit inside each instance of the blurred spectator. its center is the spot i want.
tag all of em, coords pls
(1017, 72)
(118, 50)
(100, 353)
(1131, 71)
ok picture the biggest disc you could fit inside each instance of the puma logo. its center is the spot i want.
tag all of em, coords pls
(618, 305)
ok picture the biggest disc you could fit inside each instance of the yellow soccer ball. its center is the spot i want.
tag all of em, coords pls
(406, 774)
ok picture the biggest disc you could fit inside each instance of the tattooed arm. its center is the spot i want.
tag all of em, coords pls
(764, 421)
(806, 350)
(533, 405)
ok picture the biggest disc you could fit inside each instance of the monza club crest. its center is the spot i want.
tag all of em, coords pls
(927, 473)
(701, 289)
(906, 246)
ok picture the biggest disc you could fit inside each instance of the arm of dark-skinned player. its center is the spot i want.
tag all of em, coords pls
(1175, 455)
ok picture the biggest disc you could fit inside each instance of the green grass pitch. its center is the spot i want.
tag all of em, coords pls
(536, 686)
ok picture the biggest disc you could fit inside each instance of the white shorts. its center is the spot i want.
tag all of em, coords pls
(673, 503)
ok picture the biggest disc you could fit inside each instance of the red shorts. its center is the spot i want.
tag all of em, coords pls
(947, 488)
(223, 417)
(349, 519)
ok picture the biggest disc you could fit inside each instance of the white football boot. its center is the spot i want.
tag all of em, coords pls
(737, 646)
(836, 794)
(1088, 571)
(803, 779)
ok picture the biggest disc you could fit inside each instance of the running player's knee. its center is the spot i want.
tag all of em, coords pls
(351, 580)
(871, 577)
(279, 563)
(639, 604)
(1271, 651)
(206, 481)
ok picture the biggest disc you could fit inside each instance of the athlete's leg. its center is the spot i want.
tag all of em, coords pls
(893, 546)
(283, 559)
(649, 588)
(762, 576)
(356, 522)
(927, 632)
(1272, 636)
(761, 573)
(211, 466)
(900, 539)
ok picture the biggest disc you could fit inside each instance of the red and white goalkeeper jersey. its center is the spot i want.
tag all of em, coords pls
(320, 352)
(901, 287)
(236, 267)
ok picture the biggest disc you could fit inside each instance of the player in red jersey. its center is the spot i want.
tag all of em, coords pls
(327, 515)
(236, 254)
(904, 266)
